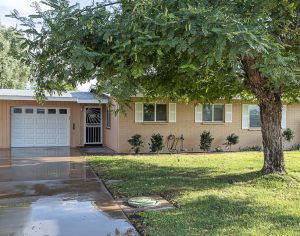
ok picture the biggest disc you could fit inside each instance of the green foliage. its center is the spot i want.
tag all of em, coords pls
(14, 71)
(295, 147)
(219, 149)
(250, 148)
(206, 140)
(231, 139)
(288, 135)
(136, 142)
(181, 50)
(156, 144)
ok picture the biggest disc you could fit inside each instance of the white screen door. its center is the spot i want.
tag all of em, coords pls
(93, 125)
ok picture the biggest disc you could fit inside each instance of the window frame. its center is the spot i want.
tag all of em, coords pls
(213, 114)
(249, 116)
(155, 120)
(108, 118)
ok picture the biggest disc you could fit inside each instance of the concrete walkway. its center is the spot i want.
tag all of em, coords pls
(50, 191)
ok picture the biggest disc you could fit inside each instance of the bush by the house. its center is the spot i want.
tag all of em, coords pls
(206, 141)
(219, 149)
(156, 144)
(136, 143)
(288, 135)
(250, 148)
(295, 147)
(231, 140)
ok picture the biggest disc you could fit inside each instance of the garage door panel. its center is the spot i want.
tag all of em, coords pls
(29, 130)
(29, 133)
(40, 142)
(28, 142)
(29, 122)
(17, 122)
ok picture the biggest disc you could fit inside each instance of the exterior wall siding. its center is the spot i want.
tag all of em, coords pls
(111, 135)
(185, 124)
(76, 120)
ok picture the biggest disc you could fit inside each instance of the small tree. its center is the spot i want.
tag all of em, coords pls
(156, 144)
(288, 135)
(231, 139)
(136, 142)
(205, 140)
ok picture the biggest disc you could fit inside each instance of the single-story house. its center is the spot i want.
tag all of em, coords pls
(77, 119)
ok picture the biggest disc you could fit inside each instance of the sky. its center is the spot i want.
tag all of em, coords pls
(25, 9)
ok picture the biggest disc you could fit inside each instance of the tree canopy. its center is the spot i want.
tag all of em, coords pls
(192, 51)
(187, 50)
(14, 70)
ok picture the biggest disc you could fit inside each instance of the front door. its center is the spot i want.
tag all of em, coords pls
(93, 125)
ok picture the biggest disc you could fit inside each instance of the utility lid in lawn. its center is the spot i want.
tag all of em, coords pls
(141, 202)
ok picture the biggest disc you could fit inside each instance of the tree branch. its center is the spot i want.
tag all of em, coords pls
(102, 5)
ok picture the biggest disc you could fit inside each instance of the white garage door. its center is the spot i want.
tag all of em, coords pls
(40, 127)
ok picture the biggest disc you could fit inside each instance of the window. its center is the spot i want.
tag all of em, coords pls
(29, 111)
(155, 112)
(51, 111)
(213, 113)
(149, 112)
(63, 111)
(108, 118)
(17, 110)
(254, 116)
(40, 111)
(161, 112)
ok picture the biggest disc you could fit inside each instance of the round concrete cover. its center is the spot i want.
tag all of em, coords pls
(140, 202)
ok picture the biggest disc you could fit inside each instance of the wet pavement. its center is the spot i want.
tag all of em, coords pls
(51, 192)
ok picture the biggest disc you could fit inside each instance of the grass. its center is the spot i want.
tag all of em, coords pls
(215, 194)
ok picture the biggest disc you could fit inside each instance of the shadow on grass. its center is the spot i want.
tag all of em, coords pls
(140, 178)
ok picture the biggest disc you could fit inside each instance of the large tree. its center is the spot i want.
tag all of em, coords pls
(14, 70)
(193, 51)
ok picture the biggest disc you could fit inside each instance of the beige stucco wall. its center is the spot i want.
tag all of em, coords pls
(76, 119)
(191, 131)
(111, 135)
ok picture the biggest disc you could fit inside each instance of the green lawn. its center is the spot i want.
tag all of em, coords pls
(215, 194)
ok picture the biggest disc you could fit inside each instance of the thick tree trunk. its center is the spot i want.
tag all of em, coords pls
(270, 116)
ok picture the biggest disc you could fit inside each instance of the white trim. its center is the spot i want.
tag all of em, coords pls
(53, 99)
(138, 112)
(245, 116)
(172, 113)
(228, 113)
(198, 113)
(283, 117)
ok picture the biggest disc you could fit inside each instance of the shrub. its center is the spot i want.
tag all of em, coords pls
(156, 144)
(251, 148)
(231, 139)
(295, 147)
(288, 135)
(136, 142)
(218, 149)
(206, 140)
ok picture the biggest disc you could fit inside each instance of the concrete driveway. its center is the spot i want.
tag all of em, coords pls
(50, 191)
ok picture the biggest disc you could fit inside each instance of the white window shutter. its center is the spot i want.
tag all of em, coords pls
(245, 116)
(198, 113)
(283, 118)
(228, 113)
(172, 112)
(138, 112)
